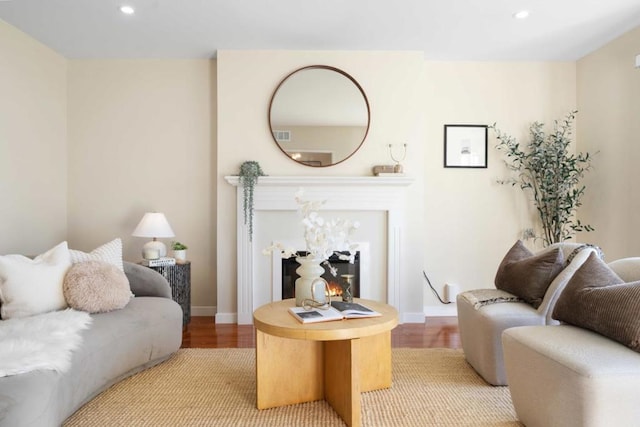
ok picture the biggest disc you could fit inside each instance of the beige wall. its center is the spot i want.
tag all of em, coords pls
(33, 144)
(140, 140)
(608, 123)
(471, 221)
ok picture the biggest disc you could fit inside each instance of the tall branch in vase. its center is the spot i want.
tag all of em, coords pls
(552, 174)
(323, 239)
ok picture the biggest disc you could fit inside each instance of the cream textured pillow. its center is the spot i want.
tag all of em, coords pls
(109, 252)
(96, 287)
(596, 298)
(526, 275)
(33, 286)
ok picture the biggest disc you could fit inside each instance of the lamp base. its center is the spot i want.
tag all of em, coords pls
(154, 250)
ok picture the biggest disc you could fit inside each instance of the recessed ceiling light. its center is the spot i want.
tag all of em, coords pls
(127, 10)
(521, 15)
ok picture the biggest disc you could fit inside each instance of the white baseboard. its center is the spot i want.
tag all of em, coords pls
(441, 310)
(206, 310)
(211, 311)
(224, 318)
(429, 311)
(411, 317)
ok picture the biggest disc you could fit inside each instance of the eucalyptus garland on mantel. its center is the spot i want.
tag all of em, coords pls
(249, 173)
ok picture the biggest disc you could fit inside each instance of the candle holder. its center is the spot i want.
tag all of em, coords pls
(347, 291)
(398, 166)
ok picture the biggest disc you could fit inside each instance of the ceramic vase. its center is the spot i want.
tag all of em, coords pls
(180, 255)
(309, 271)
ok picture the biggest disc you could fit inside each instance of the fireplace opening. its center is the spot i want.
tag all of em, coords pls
(344, 268)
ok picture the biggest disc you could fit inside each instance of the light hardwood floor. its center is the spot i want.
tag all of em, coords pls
(436, 332)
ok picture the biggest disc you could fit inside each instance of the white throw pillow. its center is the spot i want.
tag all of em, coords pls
(33, 286)
(109, 252)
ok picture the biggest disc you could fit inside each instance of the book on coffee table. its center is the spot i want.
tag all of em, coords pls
(337, 311)
(353, 310)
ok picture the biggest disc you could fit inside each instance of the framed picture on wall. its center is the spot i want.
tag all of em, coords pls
(465, 146)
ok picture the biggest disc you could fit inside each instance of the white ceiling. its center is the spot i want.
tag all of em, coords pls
(442, 29)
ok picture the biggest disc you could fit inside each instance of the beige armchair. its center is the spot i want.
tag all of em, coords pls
(481, 328)
(569, 376)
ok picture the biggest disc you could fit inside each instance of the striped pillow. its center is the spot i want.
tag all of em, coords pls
(109, 252)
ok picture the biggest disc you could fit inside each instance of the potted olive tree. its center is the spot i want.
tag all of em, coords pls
(552, 174)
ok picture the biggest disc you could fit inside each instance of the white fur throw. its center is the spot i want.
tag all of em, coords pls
(96, 287)
(44, 341)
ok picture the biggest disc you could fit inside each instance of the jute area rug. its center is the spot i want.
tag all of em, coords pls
(216, 387)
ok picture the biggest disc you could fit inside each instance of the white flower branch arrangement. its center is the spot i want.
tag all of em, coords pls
(323, 238)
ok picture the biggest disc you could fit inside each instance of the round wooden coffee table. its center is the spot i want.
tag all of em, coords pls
(335, 360)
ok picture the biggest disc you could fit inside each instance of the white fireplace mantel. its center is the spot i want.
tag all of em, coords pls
(356, 193)
(366, 181)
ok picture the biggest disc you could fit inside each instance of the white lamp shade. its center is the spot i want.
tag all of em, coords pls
(153, 224)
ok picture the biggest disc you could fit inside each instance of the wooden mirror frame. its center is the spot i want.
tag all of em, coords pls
(328, 68)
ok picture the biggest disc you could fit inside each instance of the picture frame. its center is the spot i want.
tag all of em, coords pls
(465, 146)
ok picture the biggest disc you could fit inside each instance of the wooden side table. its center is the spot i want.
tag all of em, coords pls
(179, 278)
(336, 361)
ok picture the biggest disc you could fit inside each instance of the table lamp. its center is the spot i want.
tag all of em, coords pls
(154, 225)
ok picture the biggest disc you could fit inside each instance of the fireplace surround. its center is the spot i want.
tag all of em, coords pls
(276, 193)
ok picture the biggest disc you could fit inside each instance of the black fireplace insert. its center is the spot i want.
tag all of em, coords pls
(336, 283)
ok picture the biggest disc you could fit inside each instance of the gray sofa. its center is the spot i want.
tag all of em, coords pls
(116, 345)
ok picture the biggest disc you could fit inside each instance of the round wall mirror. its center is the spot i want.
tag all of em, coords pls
(319, 116)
